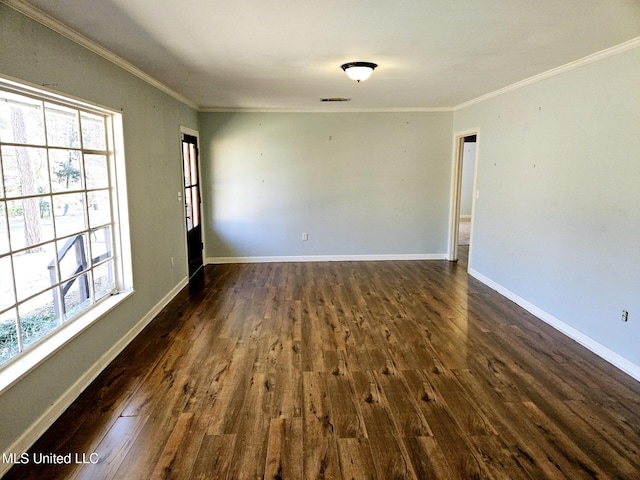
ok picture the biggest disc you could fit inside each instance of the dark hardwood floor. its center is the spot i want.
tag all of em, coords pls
(380, 370)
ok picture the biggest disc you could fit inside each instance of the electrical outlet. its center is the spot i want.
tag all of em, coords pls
(625, 316)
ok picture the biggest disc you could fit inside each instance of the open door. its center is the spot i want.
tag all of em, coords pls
(192, 204)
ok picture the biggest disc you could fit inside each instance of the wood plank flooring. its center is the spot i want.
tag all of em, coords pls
(376, 370)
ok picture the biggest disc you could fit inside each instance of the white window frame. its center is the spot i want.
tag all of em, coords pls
(29, 358)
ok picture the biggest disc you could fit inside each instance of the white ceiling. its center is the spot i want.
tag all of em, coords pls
(286, 54)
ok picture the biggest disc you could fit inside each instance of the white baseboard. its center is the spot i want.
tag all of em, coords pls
(40, 426)
(327, 258)
(605, 353)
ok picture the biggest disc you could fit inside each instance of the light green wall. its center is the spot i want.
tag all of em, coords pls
(557, 221)
(357, 183)
(152, 119)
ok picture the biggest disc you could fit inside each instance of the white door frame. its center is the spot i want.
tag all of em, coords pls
(456, 183)
(194, 133)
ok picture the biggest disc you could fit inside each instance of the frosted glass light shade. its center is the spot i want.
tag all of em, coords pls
(358, 71)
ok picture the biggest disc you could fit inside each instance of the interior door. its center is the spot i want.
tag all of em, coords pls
(192, 204)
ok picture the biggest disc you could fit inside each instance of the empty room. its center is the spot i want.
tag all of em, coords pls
(319, 239)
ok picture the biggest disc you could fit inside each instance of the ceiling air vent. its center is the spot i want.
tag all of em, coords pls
(335, 99)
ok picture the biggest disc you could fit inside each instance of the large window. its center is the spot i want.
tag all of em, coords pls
(59, 227)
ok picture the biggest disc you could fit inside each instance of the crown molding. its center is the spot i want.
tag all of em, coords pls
(322, 110)
(66, 31)
(594, 57)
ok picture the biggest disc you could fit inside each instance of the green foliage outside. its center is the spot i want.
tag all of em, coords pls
(34, 327)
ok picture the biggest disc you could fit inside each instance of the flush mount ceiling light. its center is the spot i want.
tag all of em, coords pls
(358, 71)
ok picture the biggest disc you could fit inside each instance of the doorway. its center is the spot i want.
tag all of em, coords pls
(192, 205)
(463, 196)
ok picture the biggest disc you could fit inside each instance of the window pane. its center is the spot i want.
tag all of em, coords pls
(194, 164)
(8, 336)
(46, 220)
(103, 281)
(186, 164)
(62, 126)
(7, 297)
(99, 208)
(37, 317)
(76, 296)
(188, 197)
(72, 256)
(20, 119)
(65, 170)
(29, 223)
(96, 171)
(35, 271)
(69, 213)
(195, 206)
(101, 244)
(25, 171)
(93, 131)
(4, 232)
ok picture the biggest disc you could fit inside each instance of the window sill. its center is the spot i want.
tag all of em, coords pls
(17, 368)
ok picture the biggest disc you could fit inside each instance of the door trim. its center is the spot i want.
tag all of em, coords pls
(194, 133)
(456, 191)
